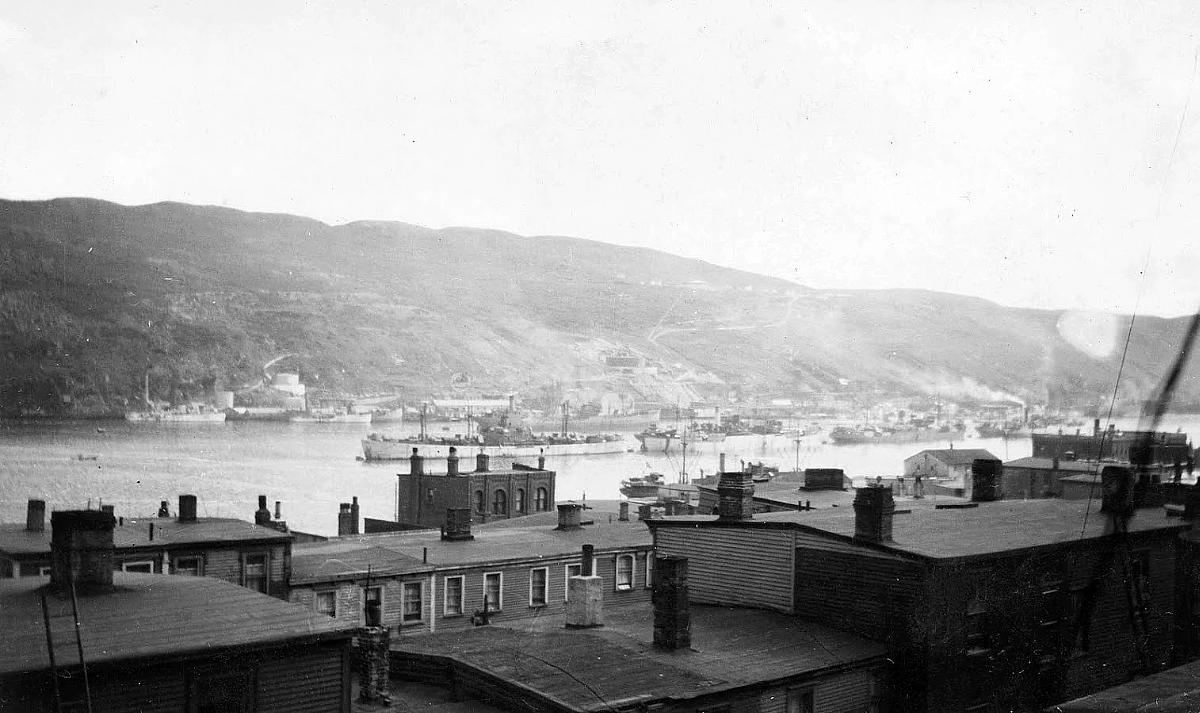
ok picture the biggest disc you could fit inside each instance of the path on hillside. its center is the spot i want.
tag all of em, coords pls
(659, 331)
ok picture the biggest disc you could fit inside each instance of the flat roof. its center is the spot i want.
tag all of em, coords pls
(168, 532)
(1175, 690)
(959, 532)
(150, 615)
(617, 665)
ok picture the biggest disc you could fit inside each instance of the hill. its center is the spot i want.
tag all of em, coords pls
(94, 295)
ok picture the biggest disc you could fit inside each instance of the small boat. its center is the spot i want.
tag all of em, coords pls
(644, 486)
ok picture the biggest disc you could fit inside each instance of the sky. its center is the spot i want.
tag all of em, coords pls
(1037, 154)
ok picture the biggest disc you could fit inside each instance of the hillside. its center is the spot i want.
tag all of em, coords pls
(94, 295)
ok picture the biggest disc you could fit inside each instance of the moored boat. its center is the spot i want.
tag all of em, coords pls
(187, 413)
(377, 446)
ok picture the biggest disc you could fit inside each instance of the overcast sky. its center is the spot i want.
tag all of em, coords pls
(1035, 154)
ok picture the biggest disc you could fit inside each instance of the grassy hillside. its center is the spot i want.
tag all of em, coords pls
(93, 295)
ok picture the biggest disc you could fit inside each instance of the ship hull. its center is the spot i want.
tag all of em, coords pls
(340, 418)
(907, 436)
(150, 417)
(401, 450)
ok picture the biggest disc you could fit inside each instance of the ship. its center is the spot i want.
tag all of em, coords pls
(1012, 429)
(848, 435)
(657, 440)
(643, 486)
(185, 413)
(377, 446)
(334, 416)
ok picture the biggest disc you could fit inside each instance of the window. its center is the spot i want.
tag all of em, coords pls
(1083, 621)
(649, 570)
(326, 603)
(373, 598)
(493, 590)
(479, 501)
(499, 503)
(624, 572)
(800, 700)
(538, 586)
(145, 566)
(254, 572)
(519, 502)
(452, 602)
(412, 602)
(572, 570)
(188, 566)
(543, 500)
(1050, 616)
(978, 637)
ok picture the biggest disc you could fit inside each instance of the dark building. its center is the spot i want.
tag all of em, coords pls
(257, 556)
(156, 642)
(1168, 448)
(982, 606)
(423, 498)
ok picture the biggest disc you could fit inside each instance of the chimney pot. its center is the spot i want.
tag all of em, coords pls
(35, 516)
(81, 549)
(187, 508)
(278, 512)
(452, 462)
(873, 511)
(569, 516)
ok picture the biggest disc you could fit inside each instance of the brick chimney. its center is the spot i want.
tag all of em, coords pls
(343, 519)
(187, 508)
(481, 462)
(541, 459)
(985, 479)
(873, 510)
(458, 525)
(354, 515)
(262, 516)
(672, 613)
(373, 644)
(735, 496)
(623, 511)
(416, 463)
(452, 462)
(81, 549)
(585, 595)
(35, 516)
(569, 516)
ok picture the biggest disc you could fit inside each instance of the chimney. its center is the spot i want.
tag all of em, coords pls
(623, 511)
(343, 519)
(262, 516)
(873, 509)
(163, 510)
(735, 497)
(452, 462)
(372, 644)
(1096, 429)
(110, 509)
(354, 515)
(81, 549)
(585, 595)
(187, 508)
(35, 516)
(481, 462)
(458, 525)
(721, 467)
(985, 479)
(541, 459)
(669, 598)
(569, 516)
(416, 463)
(278, 512)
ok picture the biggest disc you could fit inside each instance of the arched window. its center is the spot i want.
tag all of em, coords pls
(519, 502)
(479, 501)
(543, 500)
(499, 503)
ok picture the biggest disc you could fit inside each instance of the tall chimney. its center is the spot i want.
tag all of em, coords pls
(35, 516)
(623, 511)
(985, 479)
(481, 462)
(672, 614)
(873, 510)
(343, 519)
(278, 512)
(416, 463)
(354, 515)
(81, 549)
(569, 516)
(735, 496)
(187, 508)
(458, 525)
(262, 516)
(452, 462)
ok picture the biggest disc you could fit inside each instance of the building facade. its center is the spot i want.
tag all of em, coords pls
(423, 498)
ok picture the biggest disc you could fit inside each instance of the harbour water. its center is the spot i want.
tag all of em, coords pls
(311, 468)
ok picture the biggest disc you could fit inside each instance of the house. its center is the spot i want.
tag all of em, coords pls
(422, 498)
(984, 606)
(430, 581)
(257, 556)
(945, 464)
(158, 642)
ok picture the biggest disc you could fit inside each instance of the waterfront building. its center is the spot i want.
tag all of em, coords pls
(157, 642)
(949, 464)
(1113, 445)
(254, 555)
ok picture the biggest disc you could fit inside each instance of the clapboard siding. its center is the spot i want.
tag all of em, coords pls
(849, 692)
(751, 567)
(157, 689)
(310, 681)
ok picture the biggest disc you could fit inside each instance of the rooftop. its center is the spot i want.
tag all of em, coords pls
(349, 559)
(952, 533)
(135, 532)
(1075, 466)
(1175, 690)
(617, 665)
(956, 456)
(151, 615)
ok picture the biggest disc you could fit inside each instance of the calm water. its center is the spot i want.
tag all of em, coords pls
(313, 467)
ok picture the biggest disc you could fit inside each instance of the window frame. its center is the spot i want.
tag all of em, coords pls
(266, 576)
(125, 566)
(1050, 617)
(405, 601)
(578, 567)
(545, 598)
(180, 558)
(479, 504)
(977, 611)
(499, 604)
(462, 595)
(649, 583)
(617, 585)
(318, 595)
(542, 500)
(519, 501)
(500, 502)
